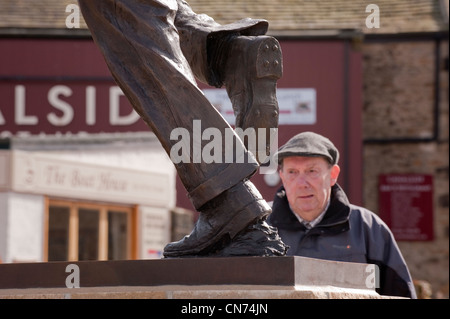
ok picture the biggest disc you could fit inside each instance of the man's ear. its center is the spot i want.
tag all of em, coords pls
(335, 170)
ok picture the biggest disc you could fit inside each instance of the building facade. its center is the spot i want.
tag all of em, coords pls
(371, 76)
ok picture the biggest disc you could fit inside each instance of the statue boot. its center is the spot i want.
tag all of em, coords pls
(224, 219)
(253, 66)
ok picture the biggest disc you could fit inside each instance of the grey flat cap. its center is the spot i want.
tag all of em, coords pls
(308, 144)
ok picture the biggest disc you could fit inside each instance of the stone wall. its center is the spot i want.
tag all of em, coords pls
(398, 130)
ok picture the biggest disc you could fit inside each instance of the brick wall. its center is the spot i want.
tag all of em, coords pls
(398, 130)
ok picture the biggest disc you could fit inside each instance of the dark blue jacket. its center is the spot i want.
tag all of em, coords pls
(346, 233)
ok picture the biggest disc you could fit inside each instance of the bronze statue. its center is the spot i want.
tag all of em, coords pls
(155, 49)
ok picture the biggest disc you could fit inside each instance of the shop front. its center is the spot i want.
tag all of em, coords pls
(99, 203)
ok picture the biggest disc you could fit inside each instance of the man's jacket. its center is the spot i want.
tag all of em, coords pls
(346, 233)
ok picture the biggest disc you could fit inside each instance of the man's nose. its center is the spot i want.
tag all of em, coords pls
(302, 181)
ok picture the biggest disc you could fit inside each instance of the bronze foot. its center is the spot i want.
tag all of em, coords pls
(221, 220)
(258, 239)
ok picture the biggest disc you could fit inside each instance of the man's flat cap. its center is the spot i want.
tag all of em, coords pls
(308, 144)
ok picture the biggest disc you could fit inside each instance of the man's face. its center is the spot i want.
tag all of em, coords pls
(308, 181)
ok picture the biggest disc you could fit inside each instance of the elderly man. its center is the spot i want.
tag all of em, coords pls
(155, 49)
(314, 217)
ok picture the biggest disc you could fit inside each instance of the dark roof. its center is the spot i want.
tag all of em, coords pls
(284, 16)
(303, 15)
(34, 13)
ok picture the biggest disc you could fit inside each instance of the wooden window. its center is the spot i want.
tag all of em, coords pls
(87, 231)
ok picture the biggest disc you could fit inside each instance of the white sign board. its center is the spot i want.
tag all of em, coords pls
(297, 105)
(155, 231)
(38, 173)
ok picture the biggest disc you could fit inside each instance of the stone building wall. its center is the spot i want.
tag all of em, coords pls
(398, 130)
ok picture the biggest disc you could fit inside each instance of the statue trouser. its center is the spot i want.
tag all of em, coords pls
(155, 49)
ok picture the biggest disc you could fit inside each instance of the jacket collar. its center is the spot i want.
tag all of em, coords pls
(337, 213)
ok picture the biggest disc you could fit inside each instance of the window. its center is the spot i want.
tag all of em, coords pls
(85, 231)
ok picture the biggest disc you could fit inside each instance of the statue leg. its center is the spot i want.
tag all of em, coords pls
(141, 47)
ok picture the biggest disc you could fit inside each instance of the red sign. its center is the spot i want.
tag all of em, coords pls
(65, 107)
(406, 205)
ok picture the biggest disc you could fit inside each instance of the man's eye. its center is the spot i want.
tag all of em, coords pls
(313, 172)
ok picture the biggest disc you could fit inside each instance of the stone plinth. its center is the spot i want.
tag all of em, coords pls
(193, 292)
(231, 278)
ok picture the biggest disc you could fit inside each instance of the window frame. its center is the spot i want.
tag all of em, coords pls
(103, 209)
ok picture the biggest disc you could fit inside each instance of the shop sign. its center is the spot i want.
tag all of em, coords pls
(39, 108)
(66, 108)
(44, 174)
